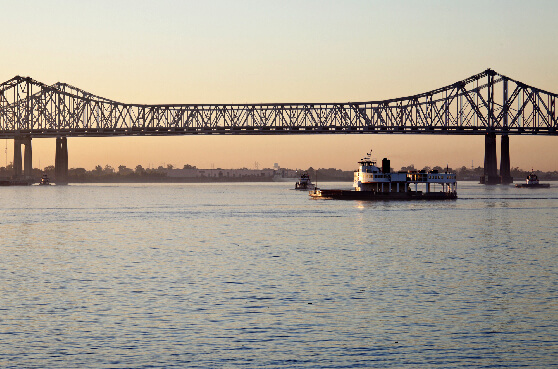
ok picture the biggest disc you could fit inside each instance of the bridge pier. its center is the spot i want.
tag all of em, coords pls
(27, 158)
(505, 170)
(17, 158)
(491, 176)
(25, 170)
(61, 161)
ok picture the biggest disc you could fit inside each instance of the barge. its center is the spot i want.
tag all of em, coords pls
(374, 183)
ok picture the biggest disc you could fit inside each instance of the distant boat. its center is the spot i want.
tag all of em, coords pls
(45, 181)
(304, 183)
(532, 181)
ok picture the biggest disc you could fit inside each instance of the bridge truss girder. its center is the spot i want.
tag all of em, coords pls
(484, 103)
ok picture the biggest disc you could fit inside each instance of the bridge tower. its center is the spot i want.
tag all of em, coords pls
(490, 161)
(505, 169)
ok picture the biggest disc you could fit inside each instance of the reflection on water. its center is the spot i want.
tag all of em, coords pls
(193, 275)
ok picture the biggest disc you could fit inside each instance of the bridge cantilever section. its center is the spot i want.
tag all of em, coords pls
(487, 103)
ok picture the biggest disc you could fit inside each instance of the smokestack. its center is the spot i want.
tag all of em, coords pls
(385, 165)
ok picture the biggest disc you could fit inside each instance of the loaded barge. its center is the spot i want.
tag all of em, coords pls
(374, 183)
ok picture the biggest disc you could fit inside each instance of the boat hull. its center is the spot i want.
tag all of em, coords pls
(16, 182)
(532, 185)
(310, 187)
(375, 196)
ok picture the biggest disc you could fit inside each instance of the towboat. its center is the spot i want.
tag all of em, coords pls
(532, 181)
(45, 181)
(374, 183)
(304, 183)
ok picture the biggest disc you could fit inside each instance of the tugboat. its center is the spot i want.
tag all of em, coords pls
(374, 183)
(304, 183)
(45, 181)
(532, 181)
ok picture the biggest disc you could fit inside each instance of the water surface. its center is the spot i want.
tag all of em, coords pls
(258, 275)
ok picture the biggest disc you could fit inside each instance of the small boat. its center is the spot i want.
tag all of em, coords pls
(532, 181)
(375, 183)
(45, 181)
(304, 183)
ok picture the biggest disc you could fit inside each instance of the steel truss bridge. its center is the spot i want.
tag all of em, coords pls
(487, 103)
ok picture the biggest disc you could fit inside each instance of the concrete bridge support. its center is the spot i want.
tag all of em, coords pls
(490, 161)
(505, 170)
(17, 158)
(25, 170)
(61, 161)
(27, 158)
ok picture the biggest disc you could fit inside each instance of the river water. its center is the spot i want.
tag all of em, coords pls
(258, 275)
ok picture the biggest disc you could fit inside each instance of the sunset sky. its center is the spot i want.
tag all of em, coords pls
(225, 51)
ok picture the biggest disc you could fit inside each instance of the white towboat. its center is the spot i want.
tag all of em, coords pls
(304, 183)
(532, 181)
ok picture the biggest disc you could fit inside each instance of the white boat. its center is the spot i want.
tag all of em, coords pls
(375, 183)
(532, 181)
(304, 183)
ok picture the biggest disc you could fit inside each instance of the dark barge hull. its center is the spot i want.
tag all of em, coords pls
(375, 196)
(531, 185)
(12, 182)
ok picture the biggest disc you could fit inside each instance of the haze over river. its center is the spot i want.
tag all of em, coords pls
(259, 275)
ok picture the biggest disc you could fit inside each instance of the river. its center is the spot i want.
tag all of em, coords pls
(259, 275)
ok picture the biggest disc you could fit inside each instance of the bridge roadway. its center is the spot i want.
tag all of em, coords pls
(486, 104)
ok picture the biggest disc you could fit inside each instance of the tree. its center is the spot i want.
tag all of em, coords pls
(409, 168)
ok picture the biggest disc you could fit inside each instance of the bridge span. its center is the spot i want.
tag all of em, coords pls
(487, 103)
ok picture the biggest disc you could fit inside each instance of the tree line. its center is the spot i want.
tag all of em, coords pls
(140, 174)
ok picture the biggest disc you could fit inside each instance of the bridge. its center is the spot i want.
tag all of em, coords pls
(486, 104)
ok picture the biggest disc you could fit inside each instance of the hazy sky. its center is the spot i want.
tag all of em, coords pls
(225, 51)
